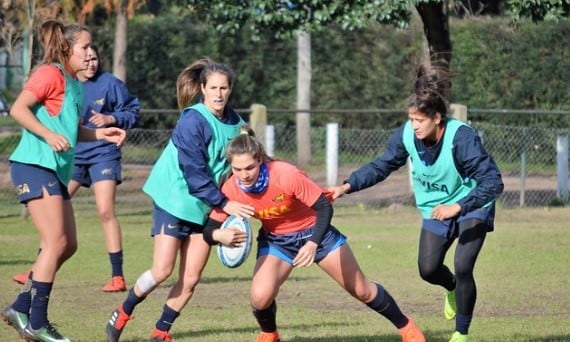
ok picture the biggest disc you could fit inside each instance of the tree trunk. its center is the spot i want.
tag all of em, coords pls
(120, 52)
(304, 74)
(436, 28)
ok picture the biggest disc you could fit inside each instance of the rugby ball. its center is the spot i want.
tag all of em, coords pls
(233, 257)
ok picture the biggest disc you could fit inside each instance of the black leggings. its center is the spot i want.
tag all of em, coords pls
(431, 255)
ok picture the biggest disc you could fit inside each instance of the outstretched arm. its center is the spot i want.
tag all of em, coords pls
(394, 157)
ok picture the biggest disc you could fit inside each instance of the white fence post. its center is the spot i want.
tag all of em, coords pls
(562, 166)
(270, 140)
(332, 153)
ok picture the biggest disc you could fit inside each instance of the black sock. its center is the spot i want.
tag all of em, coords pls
(266, 318)
(24, 300)
(116, 263)
(385, 305)
(167, 318)
(40, 301)
(131, 301)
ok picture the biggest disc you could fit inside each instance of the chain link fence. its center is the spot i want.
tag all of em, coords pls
(526, 155)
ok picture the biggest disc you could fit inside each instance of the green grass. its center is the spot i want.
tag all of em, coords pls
(522, 277)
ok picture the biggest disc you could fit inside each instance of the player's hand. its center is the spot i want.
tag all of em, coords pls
(101, 120)
(238, 209)
(231, 237)
(111, 134)
(338, 191)
(443, 212)
(306, 255)
(57, 142)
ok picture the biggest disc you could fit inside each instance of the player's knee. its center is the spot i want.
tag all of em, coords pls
(70, 248)
(362, 296)
(261, 298)
(189, 282)
(66, 248)
(427, 270)
(106, 214)
(463, 271)
(162, 273)
(361, 291)
(146, 282)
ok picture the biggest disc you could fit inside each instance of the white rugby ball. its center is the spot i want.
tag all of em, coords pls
(233, 257)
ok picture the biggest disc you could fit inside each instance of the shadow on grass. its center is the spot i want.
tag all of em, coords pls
(218, 280)
(395, 337)
(27, 262)
(555, 338)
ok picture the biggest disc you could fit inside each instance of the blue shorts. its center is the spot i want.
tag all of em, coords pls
(87, 174)
(286, 246)
(30, 181)
(450, 228)
(165, 223)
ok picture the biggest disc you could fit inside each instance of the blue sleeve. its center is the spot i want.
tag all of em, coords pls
(125, 106)
(473, 162)
(394, 157)
(191, 137)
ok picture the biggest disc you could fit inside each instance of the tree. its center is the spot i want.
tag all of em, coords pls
(288, 17)
(19, 17)
(17, 20)
(436, 30)
(299, 18)
(120, 51)
(123, 10)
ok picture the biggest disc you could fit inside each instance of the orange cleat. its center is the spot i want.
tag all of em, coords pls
(22, 278)
(116, 284)
(268, 337)
(160, 336)
(411, 333)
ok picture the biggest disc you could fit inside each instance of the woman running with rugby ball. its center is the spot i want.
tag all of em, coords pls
(296, 232)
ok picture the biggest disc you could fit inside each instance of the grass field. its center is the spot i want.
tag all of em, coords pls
(523, 277)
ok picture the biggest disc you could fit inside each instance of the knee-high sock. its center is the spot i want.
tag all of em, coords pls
(266, 318)
(385, 305)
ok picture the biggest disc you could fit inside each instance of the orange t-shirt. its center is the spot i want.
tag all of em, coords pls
(285, 206)
(47, 83)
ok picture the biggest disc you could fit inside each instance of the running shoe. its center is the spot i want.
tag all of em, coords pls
(22, 278)
(160, 336)
(268, 337)
(458, 337)
(17, 319)
(116, 284)
(450, 308)
(45, 334)
(411, 332)
(116, 324)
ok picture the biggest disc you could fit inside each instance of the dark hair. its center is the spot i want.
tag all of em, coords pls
(100, 63)
(57, 40)
(246, 142)
(431, 91)
(196, 74)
